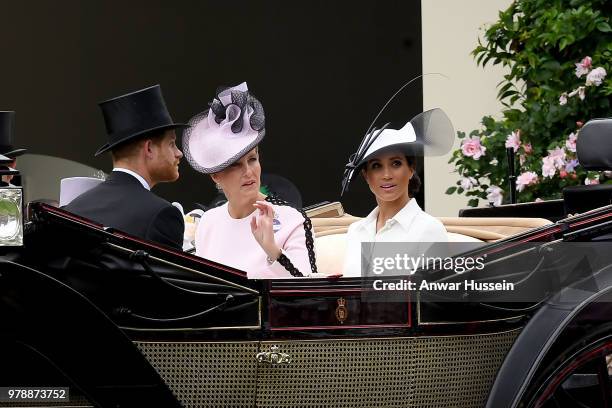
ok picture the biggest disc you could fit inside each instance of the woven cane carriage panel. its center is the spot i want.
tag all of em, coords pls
(445, 371)
(440, 371)
(206, 374)
(339, 373)
(458, 368)
(76, 401)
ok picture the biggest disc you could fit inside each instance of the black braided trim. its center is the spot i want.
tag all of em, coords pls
(273, 199)
(284, 261)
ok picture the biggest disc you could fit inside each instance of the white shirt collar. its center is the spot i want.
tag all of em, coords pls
(136, 175)
(404, 216)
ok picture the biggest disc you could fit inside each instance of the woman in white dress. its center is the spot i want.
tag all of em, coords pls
(386, 159)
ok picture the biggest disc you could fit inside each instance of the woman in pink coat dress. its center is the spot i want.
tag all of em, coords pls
(250, 232)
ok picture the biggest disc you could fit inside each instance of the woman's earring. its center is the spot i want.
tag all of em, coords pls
(218, 187)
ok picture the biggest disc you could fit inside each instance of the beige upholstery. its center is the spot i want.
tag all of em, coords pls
(491, 229)
(330, 234)
(330, 248)
(330, 251)
(327, 224)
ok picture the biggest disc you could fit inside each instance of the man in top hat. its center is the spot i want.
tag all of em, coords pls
(142, 142)
(7, 149)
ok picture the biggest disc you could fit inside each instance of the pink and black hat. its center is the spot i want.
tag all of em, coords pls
(221, 135)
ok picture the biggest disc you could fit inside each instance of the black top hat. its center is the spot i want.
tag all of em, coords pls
(7, 132)
(135, 114)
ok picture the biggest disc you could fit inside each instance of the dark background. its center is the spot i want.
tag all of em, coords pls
(321, 69)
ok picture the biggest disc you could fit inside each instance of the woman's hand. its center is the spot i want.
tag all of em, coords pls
(261, 227)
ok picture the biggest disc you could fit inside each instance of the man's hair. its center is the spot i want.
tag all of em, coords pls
(132, 146)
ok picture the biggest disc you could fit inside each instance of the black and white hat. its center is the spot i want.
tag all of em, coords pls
(430, 133)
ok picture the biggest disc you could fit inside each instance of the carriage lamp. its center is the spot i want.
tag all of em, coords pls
(11, 211)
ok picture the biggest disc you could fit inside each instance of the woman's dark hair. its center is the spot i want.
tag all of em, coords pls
(414, 185)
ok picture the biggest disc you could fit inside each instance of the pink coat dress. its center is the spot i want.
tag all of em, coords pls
(229, 241)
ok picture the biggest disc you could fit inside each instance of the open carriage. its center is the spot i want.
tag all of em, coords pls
(124, 322)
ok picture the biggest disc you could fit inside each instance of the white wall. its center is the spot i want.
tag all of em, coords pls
(450, 32)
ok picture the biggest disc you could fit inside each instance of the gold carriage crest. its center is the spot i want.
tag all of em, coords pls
(341, 311)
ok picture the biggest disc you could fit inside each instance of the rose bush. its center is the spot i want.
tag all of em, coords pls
(558, 56)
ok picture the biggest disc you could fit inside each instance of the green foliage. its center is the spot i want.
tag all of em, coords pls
(265, 190)
(540, 42)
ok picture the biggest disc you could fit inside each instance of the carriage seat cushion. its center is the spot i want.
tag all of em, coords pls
(330, 234)
(330, 250)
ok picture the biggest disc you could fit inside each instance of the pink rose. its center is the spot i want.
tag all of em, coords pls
(472, 148)
(514, 140)
(467, 183)
(562, 173)
(495, 195)
(596, 76)
(586, 62)
(525, 179)
(589, 182)
(579, 91)
(557, 155)
(548, 167)
(570, 143)
(583, 67)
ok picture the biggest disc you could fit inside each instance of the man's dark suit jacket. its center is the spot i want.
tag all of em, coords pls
(123, 203)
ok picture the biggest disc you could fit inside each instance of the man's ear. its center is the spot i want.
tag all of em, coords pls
(215, 178)
(147, 147)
